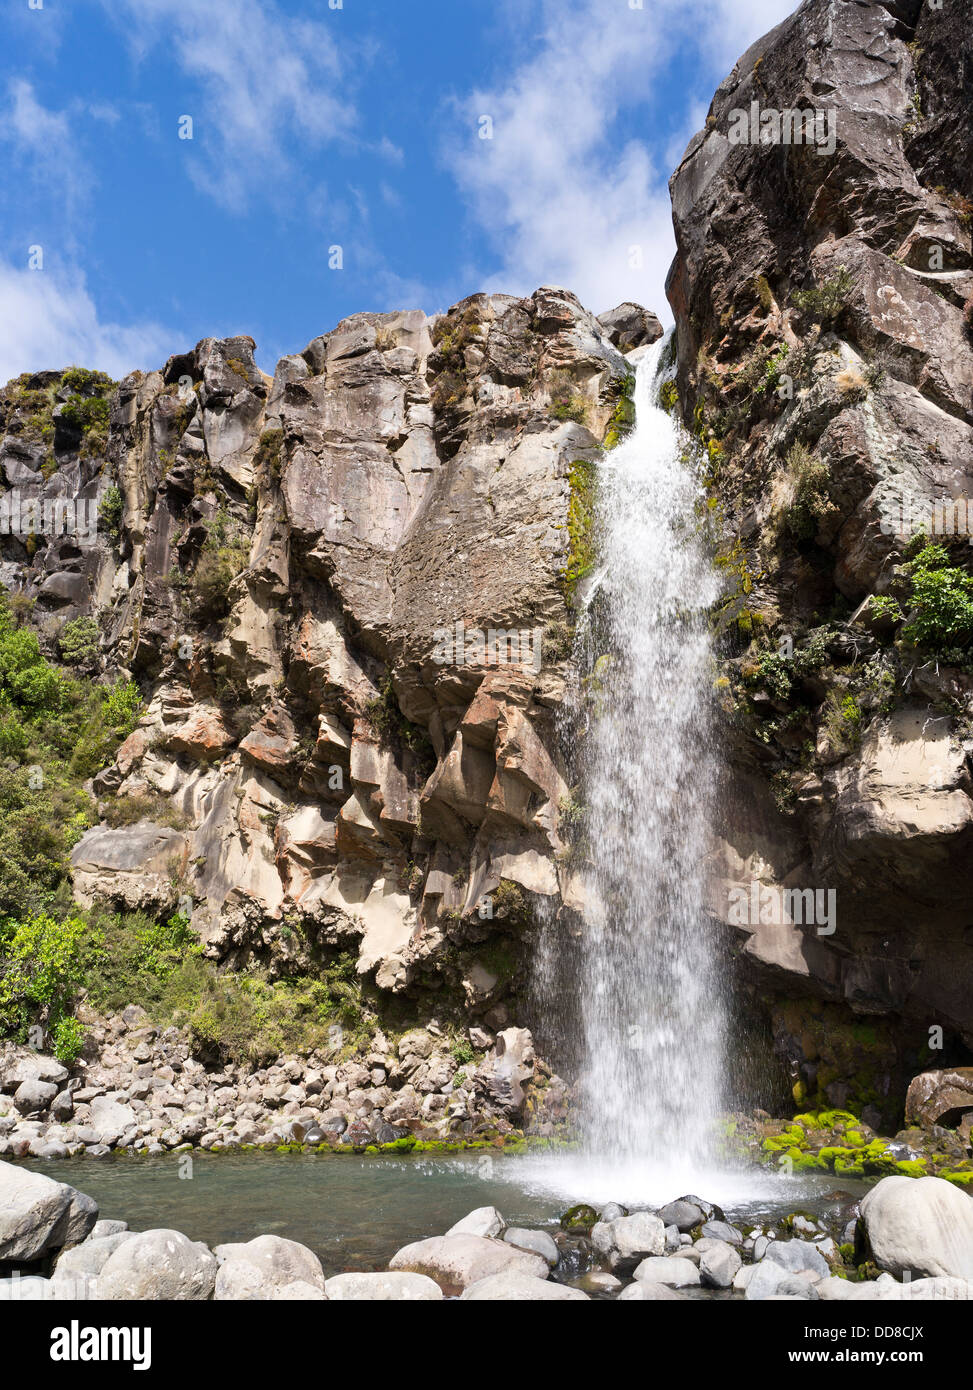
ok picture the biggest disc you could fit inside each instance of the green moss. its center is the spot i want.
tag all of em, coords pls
(960, 1179)
(579, 1218)
(623, 416)
(582, 481)
(911, 1168)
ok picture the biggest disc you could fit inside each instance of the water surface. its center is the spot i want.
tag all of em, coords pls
(355, 1212)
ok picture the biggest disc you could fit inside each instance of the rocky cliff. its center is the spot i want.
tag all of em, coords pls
(822, 291)
(345, 594)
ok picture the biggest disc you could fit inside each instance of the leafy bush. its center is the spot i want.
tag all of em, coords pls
(773, 367)
(826, 302)
(267, 458)
(78, 641)
(41, 970)
(110, 511)
(774, 672)
(130, 957)
(842, 719)
(941, 602)
(86, 413)
(566, 402)
(224, 555)
(812, 503)
(55, 731)
(25, 677)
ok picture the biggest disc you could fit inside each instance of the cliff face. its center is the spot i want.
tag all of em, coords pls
(826, 362)
(309, 577)
(316, 581)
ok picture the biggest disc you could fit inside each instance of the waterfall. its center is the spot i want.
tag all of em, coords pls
(648, 994)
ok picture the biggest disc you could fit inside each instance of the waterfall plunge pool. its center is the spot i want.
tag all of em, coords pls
(355, 1212)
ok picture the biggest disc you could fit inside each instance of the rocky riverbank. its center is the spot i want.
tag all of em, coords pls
(142, 1091)
(907, 1239)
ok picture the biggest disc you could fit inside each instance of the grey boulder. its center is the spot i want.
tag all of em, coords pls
(383, 1287)
(457, 1261)
(629, 1240)
(538, 1242)
(39, 1215)
(920, 1226)
(511, 1287)
(160, 1264)
(258, 1269)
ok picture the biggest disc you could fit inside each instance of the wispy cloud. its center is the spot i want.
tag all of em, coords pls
(259, 81)
(50, 320)
(562, 199)
(42, 146)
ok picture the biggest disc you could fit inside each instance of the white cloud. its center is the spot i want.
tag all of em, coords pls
(262, 85)
(43, 146)
(50, 320)
(559, 202)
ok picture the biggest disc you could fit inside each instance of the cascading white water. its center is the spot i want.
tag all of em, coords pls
(650, 999)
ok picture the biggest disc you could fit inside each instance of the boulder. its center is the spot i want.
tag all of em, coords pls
(299, 1292)
(627, 1240)
(110, 1117)
(684, 1215)
(259, 1268)
(484, 1221)
(538, 1242)
(159, 1264)
(38, 1215)
(923, 1226)
(32, 1066)
(646, 1292)
(722, 1230)
(31, 1097)
(718, 1264)
(383, 1287)
(939, 1097)
(885, 1289)
(629, 326)
(76, 1272)
(512, 1287)
(784, 1258)
(457, 1261)
(667, 1269)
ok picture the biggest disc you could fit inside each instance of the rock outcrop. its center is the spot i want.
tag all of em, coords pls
(345, 595)
(826, 367)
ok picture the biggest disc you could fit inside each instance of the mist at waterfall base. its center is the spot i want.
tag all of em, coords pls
(643, 994)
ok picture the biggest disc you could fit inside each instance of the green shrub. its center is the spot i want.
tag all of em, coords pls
(941, 602)
(110, 511)
(224, 555)
(567, 403)
(826, 302)
(812, 503)
(78, 641)
(774, 672)
(86, 413)
(268, 455)
(55, 732)
(130, 957)
(41, 970)
(842, 719)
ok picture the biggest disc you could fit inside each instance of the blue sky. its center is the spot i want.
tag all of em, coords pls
(319, 124)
